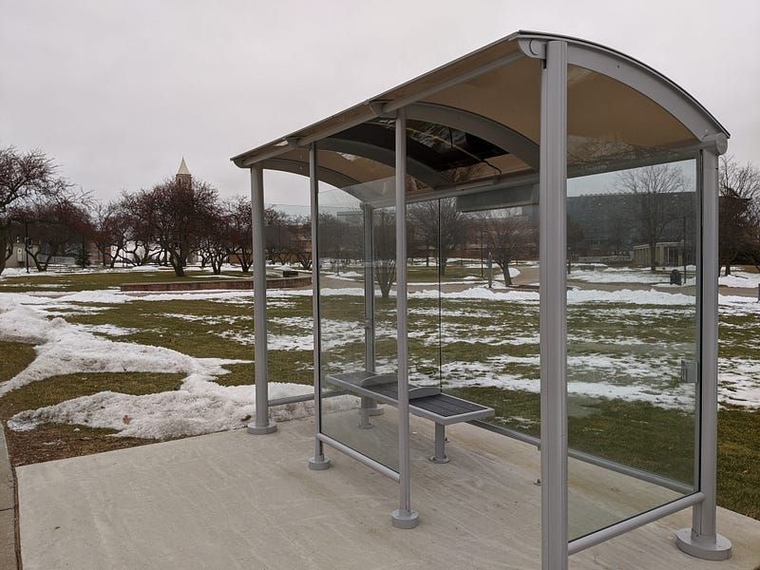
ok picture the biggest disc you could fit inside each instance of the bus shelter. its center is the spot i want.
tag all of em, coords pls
(538, 147)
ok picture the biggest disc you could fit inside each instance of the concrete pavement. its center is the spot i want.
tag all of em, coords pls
(233, 500)
(7, 509)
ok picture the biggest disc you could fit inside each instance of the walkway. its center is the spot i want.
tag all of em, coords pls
(232, 500)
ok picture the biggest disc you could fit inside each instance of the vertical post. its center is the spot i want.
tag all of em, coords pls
(553, 308)
(369, 288)
(404, 516)
(369, 405)
(261, 424)
(701, 540)
(319, 461)
(27, 245)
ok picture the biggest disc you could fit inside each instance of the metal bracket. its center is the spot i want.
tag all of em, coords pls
(717, 142)
(378, 108)
(293, 142)
(533, 47)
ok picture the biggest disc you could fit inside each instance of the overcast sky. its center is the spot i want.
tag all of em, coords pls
(118, 92)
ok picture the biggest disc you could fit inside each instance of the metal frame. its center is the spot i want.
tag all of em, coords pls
(261, 424)
(368, 404)
(404, 516)
(319, 462)
(702, 540)
(553, 308)
(557, 53)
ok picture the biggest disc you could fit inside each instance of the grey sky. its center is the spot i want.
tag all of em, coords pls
(118, 92)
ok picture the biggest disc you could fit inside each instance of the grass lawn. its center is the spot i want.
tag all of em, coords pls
(615, 428)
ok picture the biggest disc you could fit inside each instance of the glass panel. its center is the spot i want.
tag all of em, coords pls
(632, 342)
(287, 237)
(474, 307)
(357, 317)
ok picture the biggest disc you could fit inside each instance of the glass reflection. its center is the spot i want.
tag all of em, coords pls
(357, 318)
(632, 343)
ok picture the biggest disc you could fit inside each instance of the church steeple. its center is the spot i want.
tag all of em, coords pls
(183, 174)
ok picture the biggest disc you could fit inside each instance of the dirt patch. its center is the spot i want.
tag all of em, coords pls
(57, 441)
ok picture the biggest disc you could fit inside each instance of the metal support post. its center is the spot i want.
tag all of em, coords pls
(369, 405)
(701, 540)
(319, 461)
(553, 308)
(404, 516)
(261, 424)
(440, 445)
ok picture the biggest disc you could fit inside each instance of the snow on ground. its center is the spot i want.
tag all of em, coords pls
(741, 279)
(201, 405)
(606, 274)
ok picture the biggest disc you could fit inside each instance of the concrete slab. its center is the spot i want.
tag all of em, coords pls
(7, 539)
(7, 492)
(7, 509)
(233, 500)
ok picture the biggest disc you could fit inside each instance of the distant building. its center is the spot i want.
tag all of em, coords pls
(19, 257)
(183, 174)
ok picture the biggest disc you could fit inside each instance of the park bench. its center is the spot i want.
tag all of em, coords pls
(424, 401)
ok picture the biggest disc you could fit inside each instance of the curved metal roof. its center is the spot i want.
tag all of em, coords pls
(477, 119)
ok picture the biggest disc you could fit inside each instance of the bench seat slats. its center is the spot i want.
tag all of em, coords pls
(441, 408)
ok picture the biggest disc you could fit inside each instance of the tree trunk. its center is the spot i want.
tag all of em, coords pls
(5, 250)
(507, 276)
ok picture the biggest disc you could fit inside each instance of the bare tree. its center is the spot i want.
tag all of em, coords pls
(24, 177)
(439, 225)
(300, 244)
(739, 188)
(184, 211)
(111, 230)
(239, 227)
(57, 227)
(654, 187)
(509, 236)
(138, 210)
(384, 224)
(340, 236)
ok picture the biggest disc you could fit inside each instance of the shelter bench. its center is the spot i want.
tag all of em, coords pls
(424, 401)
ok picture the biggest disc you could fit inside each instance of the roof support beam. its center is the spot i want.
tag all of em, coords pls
(383, 155)
(300, 167)
(497, 134)
(635, 75)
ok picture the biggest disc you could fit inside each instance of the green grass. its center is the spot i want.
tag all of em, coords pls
(58, 389)
(15, 357)
(59, 441)
(739, 461)
(636, 434)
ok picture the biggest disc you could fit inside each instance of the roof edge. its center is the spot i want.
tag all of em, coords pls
(366, 109)
(544, 36)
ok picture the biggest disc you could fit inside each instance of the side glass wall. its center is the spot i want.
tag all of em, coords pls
(489, 311)
(632, 342)
(357, 322)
